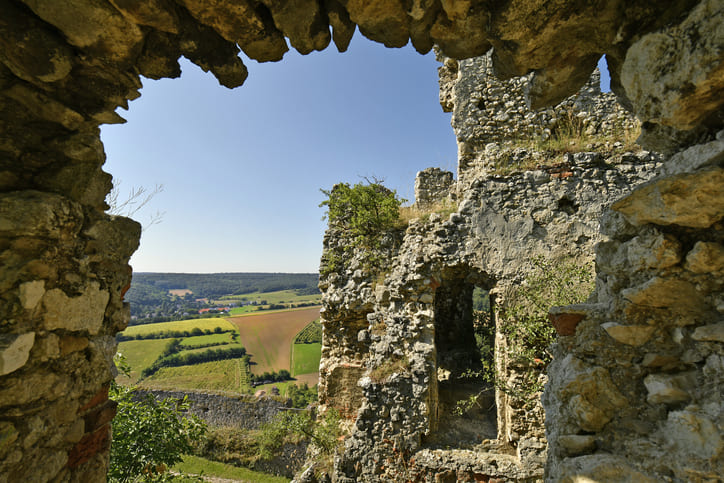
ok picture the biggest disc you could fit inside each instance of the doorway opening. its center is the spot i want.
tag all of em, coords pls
(466, 412)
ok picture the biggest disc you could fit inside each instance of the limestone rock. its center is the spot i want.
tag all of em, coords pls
(692, 434)
(600, 467)
(31, 293)
(674, 76)
(33, 213)
(577, 444)
(303, 22)
(634, 335)
(381, 21)
(667, 388)
(95, 26)
(342, 26)
(667, 292)
(593, 398)
(709, 333)
(31, 51)
(705, 257)
(14, 351)
(83, 312)
(243, 23)
(159, 14)
(44, 107)
(694, 200)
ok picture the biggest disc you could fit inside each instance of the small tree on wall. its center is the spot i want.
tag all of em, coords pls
(366, 212)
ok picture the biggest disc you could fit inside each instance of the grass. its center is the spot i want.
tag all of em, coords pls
(227, 375)
(196, 465)
(305, 358)
(140, 354)
(444, 208)
(204, 349)
(569, 136)
(202, 324)
(278, 297)
(207, 339)
(243, 310)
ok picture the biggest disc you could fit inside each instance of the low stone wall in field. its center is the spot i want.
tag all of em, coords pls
(243, 412)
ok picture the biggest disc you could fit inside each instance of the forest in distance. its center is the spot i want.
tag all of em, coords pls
(160, 297)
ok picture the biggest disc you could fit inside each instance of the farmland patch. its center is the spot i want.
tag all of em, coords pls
(268, 336)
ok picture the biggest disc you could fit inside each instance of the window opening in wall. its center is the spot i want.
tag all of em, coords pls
(465, 341)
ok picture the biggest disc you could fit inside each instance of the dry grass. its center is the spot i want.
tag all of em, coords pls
(444, 208)
(569, 136)
(394, 365)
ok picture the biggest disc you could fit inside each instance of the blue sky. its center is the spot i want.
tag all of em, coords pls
(242, 168)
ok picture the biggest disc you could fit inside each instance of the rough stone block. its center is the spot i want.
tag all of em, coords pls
(667, 388)
(14, 351)
(705, 257)
(80, 313)
(709, 333)
(634, 335)
(693, 199)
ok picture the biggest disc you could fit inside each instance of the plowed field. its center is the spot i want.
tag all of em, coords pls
(268, 337)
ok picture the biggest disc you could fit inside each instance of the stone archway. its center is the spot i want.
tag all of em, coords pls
(65, 68)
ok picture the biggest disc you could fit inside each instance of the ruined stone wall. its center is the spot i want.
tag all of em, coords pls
(495, 127)
(243, 412)
(635, 391)
(417, 327)
(65, 67)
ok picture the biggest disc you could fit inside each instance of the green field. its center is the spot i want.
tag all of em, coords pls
(140, 354)
(193, 465)
(279, 297)
(228, 375)
(267, 337)
(207, 339)
(305, 358)
(202, 324)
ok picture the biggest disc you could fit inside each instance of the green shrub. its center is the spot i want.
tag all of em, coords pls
(365, 212)
(295, 426)
(149, 435)
(525, 326)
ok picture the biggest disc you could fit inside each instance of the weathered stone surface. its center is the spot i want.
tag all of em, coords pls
(709, 333)
(37, 214)
(592, 396)
(634, 335)
(694, 200)
(65, 67)
(665, 292)
(82, 312)
(381, 21)
(92, 25)
(693, 435)
(31, 293)
(600, 467)
(303, 22)
(578, 444)
(668, 389)
(674, 76)
(432, 185)
(14, 351)
(705, 257)
(31, 51)
(241, 22)
(159, 14)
